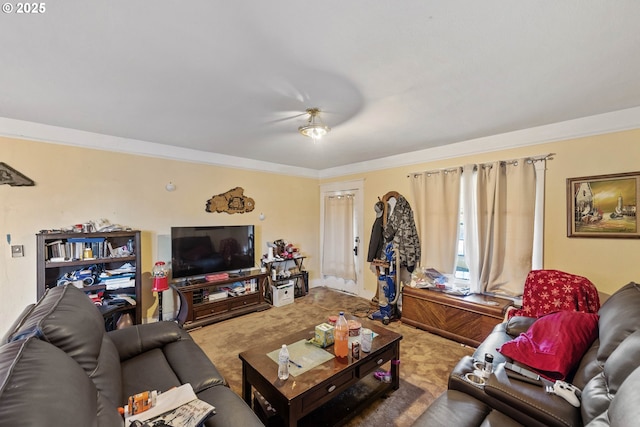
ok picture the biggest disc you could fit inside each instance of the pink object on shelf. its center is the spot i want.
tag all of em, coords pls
(215, 277)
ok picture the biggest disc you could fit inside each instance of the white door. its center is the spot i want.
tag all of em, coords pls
(341, 227)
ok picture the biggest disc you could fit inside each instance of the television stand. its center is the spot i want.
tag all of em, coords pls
(205, 302)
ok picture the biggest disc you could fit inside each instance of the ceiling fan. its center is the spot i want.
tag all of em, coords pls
(315, 127)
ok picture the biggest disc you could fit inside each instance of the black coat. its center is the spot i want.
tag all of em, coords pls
(376, 244)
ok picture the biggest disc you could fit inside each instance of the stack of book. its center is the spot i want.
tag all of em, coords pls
(123, 277)
(73, 248)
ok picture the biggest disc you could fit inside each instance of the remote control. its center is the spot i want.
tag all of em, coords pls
(567, 391)
(522, 371)
(516, 376)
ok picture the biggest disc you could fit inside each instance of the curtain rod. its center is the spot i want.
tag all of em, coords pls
(529, 159)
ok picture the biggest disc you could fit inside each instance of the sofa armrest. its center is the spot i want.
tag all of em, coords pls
(516, 396)
(519, 324)
(492, 343)
(137, 339)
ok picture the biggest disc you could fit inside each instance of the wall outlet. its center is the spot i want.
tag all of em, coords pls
(17, 251)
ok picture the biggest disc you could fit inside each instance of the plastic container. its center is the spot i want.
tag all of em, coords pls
(283, 363)
(366, 339)
(354, 328)
(488, 365)
(341, 337)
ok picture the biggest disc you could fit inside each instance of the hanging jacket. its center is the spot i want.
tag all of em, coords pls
(377, 241)
(401, 229)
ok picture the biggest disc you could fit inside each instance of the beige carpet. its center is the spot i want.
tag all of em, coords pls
(425, 359)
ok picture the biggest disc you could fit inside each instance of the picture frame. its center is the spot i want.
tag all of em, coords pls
(603, 206)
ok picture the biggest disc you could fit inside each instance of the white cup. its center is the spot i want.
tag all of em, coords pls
(366, 338)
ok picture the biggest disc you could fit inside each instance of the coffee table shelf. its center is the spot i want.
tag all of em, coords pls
(347, 404)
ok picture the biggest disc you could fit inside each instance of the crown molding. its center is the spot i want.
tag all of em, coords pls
(21, 129)
(615, 121)
(586, 126)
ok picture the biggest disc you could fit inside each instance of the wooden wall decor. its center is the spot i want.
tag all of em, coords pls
(9, 175)
(233, 201)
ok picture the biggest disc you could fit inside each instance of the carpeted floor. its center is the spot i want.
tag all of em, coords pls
(426, 359)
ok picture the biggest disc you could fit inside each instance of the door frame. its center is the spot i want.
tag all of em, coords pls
(355, 187)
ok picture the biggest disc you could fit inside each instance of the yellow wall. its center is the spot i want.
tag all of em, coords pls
(608, 263)
(75, 185)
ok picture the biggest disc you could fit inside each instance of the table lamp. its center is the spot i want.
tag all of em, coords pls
(160, 283)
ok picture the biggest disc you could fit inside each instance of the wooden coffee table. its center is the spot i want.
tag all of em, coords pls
(300, 395)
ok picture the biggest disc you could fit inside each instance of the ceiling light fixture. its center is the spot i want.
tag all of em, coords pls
(314, 129)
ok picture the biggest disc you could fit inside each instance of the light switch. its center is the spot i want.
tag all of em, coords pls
(17, 251)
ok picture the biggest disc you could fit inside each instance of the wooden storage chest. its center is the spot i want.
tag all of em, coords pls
(466, 319)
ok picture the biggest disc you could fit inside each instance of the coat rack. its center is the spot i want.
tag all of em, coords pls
(385, 200)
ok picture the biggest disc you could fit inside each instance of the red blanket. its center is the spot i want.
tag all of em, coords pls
(549, 291)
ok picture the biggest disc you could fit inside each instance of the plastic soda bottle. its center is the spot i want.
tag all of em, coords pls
(341, 346)
(283, 363)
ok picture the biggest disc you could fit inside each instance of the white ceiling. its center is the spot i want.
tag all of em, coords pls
(391, 77)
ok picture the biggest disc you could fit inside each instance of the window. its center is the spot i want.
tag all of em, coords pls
(488, 201)
(462, 269)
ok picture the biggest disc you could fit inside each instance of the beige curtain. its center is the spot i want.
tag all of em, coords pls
(337, 252)
(437, 212)
(506, 193)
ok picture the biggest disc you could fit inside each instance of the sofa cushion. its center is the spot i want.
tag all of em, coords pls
(147, 371)
(66, 318)
(454, 408)
(602, 388)
(517, 325)
(555, 343)
(619, 318)
(624, 409)
(231, 410)
(40, 385)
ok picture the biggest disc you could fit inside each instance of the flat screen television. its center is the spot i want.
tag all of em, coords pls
(198, 251)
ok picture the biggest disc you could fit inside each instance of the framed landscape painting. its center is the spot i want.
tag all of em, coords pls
(603, 206)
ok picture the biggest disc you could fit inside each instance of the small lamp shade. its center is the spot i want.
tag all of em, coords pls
(160, 279)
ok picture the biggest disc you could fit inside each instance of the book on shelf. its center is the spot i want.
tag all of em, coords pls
(119, 283)
(176, 407)
(72, 249)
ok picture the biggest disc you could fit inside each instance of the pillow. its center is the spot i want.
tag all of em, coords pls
(519, 324)
(555, 343)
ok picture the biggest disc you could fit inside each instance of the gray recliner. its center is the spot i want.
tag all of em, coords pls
(59, 367)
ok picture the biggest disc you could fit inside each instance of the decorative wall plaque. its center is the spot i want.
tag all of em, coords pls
(9, 175)
(233, 201)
